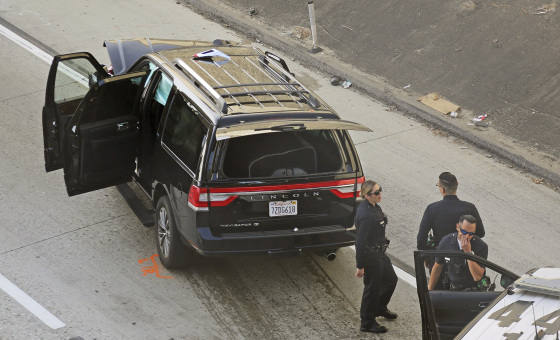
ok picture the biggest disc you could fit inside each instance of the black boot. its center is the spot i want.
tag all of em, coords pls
(387, 314)
(373, 327)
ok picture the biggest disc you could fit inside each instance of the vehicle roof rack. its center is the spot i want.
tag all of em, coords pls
(286, 75)
(202, 85)
(246, 79)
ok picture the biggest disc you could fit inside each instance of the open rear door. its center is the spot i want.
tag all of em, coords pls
(70, 78)
(102, 138)
(283, 125)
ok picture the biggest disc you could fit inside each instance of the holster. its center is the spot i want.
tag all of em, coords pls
(379, 248)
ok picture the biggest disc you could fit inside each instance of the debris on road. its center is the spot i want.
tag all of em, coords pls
(482, 124)
(538, 181)
(482, 121)
(464, 147)
(390, 108)
(253, 11)
(300, 33)
(480, 118)
(439, 133)
(545, 9)
(434, 101)
(454, 114)
(335, 80)
(406, 87)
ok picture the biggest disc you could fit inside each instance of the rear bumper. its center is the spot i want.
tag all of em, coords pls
(274, 242)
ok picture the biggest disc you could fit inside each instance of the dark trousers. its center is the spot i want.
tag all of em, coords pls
(380, 281)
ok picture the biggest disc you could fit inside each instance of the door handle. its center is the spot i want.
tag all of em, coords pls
(122, 126)
(483, 304)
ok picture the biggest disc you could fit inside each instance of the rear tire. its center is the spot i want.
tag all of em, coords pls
(172, 252)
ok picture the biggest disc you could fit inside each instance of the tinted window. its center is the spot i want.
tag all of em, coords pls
(157, 99)
(184, 132)
(282, 154)
(148, 66)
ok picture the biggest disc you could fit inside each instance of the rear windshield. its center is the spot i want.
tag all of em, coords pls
(283, 154)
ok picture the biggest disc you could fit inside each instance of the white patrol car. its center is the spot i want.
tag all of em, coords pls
(503, 306)
(529, 309)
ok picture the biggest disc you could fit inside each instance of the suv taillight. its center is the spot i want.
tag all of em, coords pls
(198, 198)
(345, 188)
(220, 197)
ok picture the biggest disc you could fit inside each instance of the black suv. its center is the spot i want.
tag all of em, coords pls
(234, 153)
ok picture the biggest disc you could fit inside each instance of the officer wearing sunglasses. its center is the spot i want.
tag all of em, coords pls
(440, 217)
(372, 263)
(463, 274)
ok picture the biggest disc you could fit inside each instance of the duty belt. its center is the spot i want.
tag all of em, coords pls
(381, 248)
(463, 288)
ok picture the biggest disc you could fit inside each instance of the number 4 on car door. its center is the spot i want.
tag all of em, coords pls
(95, 133)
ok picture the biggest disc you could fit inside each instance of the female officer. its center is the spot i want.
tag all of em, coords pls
(372, 264)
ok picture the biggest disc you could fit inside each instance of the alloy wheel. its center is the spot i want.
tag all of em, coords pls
(163, 232)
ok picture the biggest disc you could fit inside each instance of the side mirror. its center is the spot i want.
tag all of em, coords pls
(506, 281)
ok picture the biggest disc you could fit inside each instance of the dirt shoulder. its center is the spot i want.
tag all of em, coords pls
(488, 58)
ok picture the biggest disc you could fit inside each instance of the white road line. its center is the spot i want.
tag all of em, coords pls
(30, 304)
(5, 284)
(82, 79)
(26, 44)
(406, 277)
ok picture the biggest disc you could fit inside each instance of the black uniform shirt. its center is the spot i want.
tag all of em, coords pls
(461, 277)
(370, 229)
(442, 217)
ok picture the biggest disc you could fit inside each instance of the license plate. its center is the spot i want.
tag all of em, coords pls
(282, 208)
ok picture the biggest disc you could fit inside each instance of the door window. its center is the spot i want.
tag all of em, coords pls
(163, 89)
(148, 66)
(73, 80)
(184, 132)
(157, 99)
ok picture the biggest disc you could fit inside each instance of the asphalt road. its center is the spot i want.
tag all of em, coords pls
(80, 258)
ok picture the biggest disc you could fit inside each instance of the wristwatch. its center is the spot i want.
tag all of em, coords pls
(470, 252)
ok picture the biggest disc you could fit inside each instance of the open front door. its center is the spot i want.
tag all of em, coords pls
(102, 138)
(70, 78)
(445, 312)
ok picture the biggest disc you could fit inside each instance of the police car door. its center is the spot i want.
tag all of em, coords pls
(101, 140)
(446, 312)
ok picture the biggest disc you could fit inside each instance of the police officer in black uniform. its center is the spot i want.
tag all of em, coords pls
(463, 274)
(372, 263)
(441, 216)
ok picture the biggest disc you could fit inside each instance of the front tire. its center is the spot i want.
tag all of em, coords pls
(172, 252)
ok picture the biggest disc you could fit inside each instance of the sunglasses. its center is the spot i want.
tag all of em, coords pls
(376, 192)
(464, 232)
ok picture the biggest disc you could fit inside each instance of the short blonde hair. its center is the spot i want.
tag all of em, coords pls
(367, 186)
